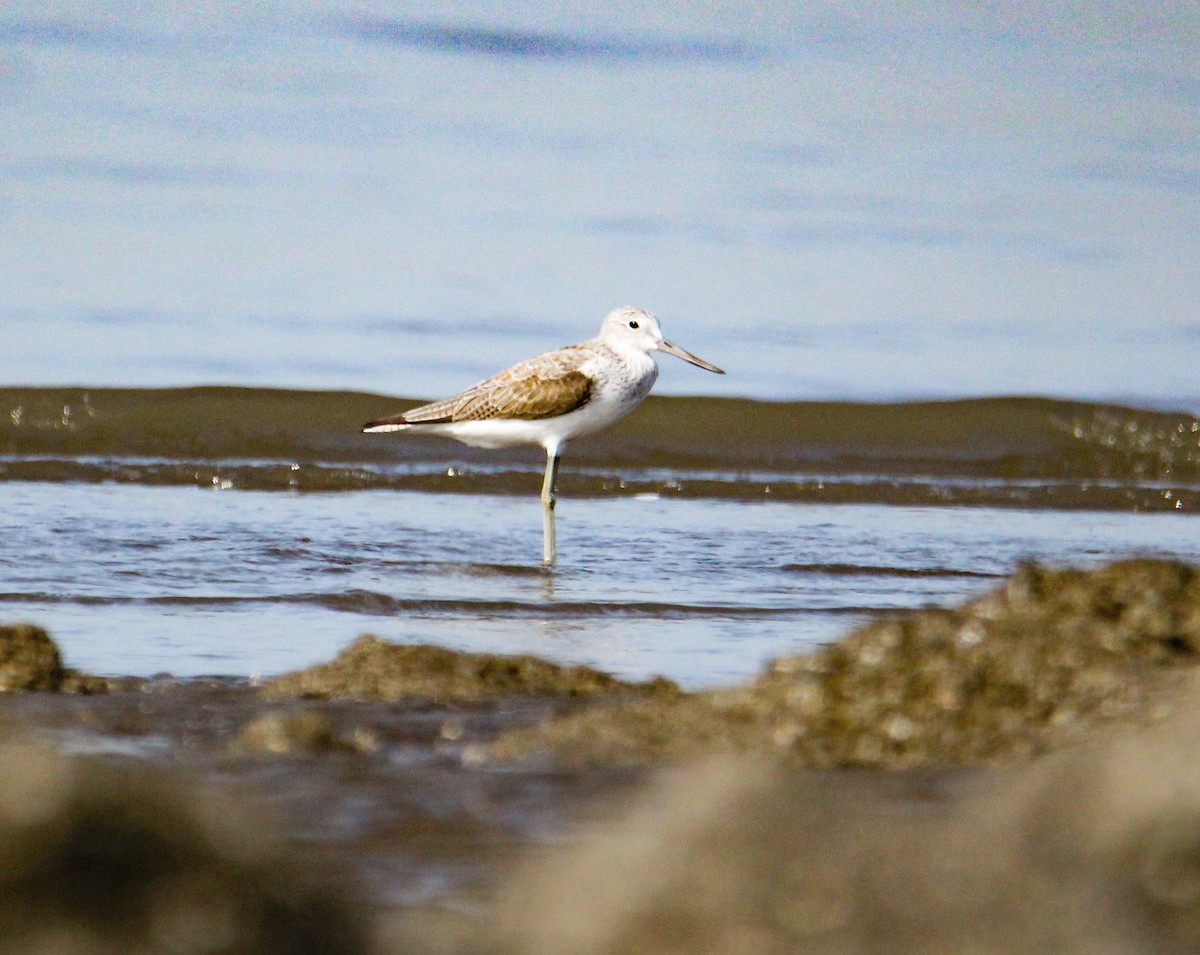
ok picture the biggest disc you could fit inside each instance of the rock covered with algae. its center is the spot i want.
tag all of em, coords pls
(373, 669)
(30, 661)
(1037, 660)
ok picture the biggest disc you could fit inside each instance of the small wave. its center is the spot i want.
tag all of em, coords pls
(58, 32)
(528, 44)
(373, 603)
(875, 570)
(486, 570)
(370, 602)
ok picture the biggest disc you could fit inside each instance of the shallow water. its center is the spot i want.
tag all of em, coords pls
(857, 207)
(137, 580)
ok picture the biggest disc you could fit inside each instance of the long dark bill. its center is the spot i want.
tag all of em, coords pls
(666, 346)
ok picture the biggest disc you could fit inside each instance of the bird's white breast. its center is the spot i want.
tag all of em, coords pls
(620, 382)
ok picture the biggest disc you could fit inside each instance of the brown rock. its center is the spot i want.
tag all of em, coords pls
(1046, 656)
(29, 659)
(373, 669)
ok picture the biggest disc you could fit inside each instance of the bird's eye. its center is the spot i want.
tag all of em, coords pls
(633, 324)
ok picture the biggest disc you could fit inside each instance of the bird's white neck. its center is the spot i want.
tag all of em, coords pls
(634, 357)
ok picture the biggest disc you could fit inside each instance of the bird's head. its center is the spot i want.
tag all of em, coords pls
(637, 328)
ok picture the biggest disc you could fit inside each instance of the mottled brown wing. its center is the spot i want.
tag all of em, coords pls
(542, 387)
(527, 398)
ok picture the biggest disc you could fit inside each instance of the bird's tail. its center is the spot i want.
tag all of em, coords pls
(394, 423)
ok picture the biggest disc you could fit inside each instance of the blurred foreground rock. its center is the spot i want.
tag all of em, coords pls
(301, 733)
(101, 860)
(1092, 850)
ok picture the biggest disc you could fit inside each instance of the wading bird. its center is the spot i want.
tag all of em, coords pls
(553, 398)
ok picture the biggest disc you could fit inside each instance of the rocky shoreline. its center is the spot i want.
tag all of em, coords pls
(1014, 774)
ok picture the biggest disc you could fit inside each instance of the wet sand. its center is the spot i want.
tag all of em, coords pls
(997, 452)
(1016, 774)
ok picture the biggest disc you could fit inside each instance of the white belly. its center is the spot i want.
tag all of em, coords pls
(613, 396)
(619, 384)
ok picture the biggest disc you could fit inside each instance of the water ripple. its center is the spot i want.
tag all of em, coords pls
(528, 44)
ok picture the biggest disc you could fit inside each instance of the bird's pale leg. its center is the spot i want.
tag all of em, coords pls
(549, 541)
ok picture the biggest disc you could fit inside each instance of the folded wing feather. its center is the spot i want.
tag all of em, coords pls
(543, 387)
